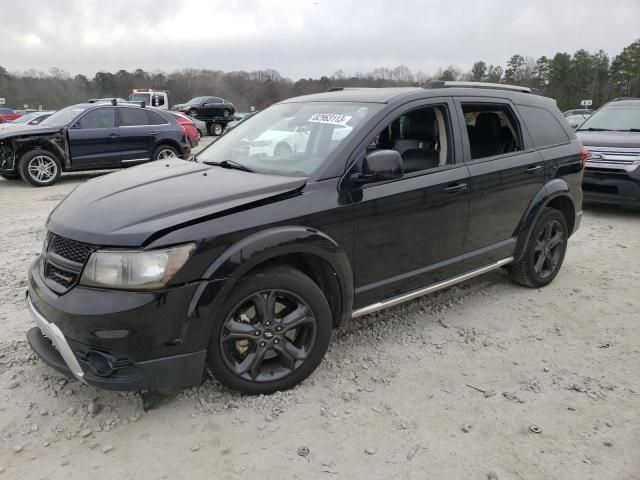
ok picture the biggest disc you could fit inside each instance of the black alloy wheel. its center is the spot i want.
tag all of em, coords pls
(548, 249)
(268, 335)
(544, 253)
(271, 333)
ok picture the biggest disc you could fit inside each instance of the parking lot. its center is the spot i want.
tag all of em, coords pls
(483, 377)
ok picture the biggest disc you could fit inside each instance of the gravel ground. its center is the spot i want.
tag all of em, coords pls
(484, 380)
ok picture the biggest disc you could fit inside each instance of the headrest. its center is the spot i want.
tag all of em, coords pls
(420, 125)
(487, 126)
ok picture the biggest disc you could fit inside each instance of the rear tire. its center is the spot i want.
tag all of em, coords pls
(544, 253)
(271, 333)
(40, 168)
(216, 129)
(165, 152)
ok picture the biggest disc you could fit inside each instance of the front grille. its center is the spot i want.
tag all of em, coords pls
(70, 249)
(63, 261)
(616, 158)
(61, 277)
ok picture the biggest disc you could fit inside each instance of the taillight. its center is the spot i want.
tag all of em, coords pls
(584, 156)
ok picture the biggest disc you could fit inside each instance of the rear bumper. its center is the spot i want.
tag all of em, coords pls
(620, 188)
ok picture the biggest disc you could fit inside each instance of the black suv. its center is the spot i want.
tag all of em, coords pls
(89, 137)
(246, 258)
(612, 137)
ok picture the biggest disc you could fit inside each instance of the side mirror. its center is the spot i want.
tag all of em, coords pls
(380, 166)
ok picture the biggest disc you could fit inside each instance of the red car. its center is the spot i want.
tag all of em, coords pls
(7, 114)
(189, 127)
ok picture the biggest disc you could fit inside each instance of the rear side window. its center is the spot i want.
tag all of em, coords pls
(131, 117)
(99, 118)
(492, 129)
(543, 126)
(155, 118)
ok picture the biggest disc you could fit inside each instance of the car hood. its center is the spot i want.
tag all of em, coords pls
(127, 207)
(27, 131)
(609, 139)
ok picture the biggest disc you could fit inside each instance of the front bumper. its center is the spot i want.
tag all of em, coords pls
(120, 340)
(616, 187)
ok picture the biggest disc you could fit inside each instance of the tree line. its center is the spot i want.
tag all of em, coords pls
(566, 77)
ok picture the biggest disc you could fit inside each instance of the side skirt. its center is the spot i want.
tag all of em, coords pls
(430, 289)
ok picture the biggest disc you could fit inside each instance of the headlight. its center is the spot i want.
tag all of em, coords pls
(134, 269)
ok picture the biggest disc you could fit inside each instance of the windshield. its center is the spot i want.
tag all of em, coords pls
(196, 101)
(290, 139)
(614, 117)
(141, 97)
(27, 118)
(64, 116)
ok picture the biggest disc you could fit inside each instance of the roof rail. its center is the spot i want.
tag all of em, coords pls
(494, 86)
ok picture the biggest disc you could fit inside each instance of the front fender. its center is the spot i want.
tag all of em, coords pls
(269, 244)
(550, 190)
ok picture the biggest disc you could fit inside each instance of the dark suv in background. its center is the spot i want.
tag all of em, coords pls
(89, 137)
(247, 258)
(612, 137)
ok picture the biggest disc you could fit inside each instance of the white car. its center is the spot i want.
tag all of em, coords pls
(284, 139)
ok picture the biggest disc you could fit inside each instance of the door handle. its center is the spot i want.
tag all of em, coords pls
(153, 133)
(455, 188)
(113, 135)
(534, 169)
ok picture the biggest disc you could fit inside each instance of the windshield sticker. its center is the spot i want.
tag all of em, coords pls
(330, 118)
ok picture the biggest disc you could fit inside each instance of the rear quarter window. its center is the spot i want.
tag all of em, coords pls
(543, 126)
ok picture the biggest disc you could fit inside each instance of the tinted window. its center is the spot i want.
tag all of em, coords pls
(130, 117)
(214, 100)
(99, 118)
(492, 130)
(543, 126)
(155, 118)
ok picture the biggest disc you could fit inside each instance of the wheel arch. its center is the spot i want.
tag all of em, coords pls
(42, 144)
(313, 252)
(555, 194)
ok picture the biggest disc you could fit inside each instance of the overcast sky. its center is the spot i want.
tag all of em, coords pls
(303, 38)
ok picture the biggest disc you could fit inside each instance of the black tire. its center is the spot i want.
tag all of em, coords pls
(165, 152)
(544, 253)
(193, 113)
(309, 339)
(216, 129)
(282, 149)
(10, 176)
(40, 168)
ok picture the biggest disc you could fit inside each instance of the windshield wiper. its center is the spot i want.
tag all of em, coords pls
(230, 164)
(591, 129)
(629, 130)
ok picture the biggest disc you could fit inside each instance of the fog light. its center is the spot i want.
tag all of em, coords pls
(99, 363)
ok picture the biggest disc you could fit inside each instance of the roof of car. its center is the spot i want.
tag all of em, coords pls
(625, 103)
(390, 94)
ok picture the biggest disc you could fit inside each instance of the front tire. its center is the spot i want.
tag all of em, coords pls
(544, 253)
(271, 333)
(10, 176)
(40, 168)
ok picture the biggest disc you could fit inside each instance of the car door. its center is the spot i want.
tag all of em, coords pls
(94, 139)
(209, 107)
(137, 137)
(409, 233)
(505, 174)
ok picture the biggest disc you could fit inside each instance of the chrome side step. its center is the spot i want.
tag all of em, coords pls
(392, 302)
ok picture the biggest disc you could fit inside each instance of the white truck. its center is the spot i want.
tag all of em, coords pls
(152, 98)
